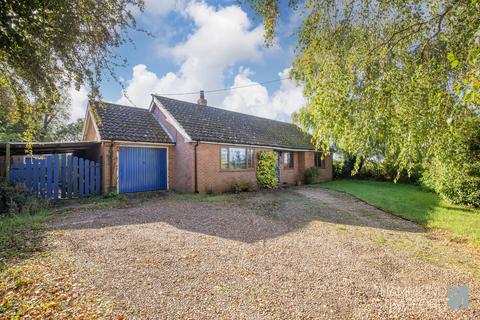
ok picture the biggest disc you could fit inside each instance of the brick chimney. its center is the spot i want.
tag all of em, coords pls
(202, 101)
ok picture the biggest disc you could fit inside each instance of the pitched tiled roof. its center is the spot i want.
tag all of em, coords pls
(124, 123)
(203, 123)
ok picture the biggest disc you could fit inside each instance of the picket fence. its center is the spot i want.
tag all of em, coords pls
(58, 176)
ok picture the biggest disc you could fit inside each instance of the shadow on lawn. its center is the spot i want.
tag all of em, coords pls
(247, 217)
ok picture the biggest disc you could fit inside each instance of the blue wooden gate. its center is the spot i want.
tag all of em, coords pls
(142, 169)
(58, 176)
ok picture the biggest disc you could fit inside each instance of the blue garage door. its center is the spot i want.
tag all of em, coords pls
(142, 169)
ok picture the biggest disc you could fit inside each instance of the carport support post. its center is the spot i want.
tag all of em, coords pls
(7, 162)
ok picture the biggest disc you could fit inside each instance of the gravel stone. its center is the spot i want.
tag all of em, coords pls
(291, 254)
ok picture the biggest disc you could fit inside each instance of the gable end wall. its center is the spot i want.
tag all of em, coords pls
(183, 166)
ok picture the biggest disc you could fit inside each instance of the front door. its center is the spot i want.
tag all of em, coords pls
(279, 163)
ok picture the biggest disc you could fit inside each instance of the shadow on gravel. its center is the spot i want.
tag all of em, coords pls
(247, 217)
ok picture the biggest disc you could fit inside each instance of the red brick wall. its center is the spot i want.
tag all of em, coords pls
(325, 174)
(211, 178)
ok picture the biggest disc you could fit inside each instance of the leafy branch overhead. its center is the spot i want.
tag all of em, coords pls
(395, 80)
(47, 46)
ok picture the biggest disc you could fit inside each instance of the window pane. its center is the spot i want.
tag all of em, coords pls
(286, 158)
(319, 162)
(238, 158)
(250, 158)
(224, 158)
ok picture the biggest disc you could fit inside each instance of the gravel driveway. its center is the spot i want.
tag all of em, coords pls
(299, 253)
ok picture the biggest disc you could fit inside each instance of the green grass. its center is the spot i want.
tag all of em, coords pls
(413, 203)
(18, 233)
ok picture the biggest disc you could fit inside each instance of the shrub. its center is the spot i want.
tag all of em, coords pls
(16, 199)
(454, 172)
(310, 174)
(266, 169)
(338, 169)
(241, 186)
(454, 182)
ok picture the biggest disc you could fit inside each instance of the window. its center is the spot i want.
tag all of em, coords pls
(224, 158)
(319, 160)
(288, 160)
(236, 158)
(250, 155)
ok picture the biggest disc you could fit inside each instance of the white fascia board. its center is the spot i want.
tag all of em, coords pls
(85, 119)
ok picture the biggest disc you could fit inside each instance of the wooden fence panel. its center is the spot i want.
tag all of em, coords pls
(92, 177)
(86, 178)
(57, 176)
(80, 180)
(49, 177)
(28, 174)
(42, 178)
(69, 177)
(98, 178)
(21, 170)
(63, 169)
(13, 171)
(35, 176)
(75, 177)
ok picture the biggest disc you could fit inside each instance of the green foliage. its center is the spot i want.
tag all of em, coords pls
(338, 169)
(310, 174)
(17, 234)
(68, 132)
(413, 203)
(114, 195)
(397, 81)
(241, 186)
(266, 169)
(16, 200)
(20, 215)
(46, 47)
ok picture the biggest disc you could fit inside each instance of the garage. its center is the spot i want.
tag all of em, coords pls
(142, 169)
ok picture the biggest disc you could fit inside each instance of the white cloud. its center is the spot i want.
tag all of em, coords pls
(221, 38)
(78, 102)
(255, 100)
(162, 7)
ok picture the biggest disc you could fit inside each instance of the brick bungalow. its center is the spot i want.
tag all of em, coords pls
(188, 147)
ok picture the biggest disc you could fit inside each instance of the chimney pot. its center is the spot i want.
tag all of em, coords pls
(202, 101)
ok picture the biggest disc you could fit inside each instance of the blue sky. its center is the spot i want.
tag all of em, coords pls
(206, 45)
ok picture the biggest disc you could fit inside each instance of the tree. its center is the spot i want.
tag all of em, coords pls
(69, 132)
(396, 79)
(49, 45)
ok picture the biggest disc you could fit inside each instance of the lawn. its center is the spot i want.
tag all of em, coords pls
(18, 235)
(413, 203)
